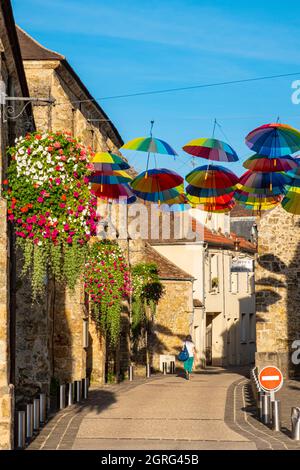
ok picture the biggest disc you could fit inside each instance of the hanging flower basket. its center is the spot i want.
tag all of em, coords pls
(50, 205)
(107, 282)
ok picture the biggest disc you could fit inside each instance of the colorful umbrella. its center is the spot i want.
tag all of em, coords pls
(110, 177)
(150, 145)
(156, 180)
(113, 191)
(206, 192)
(268, 164)
(217, 208)
(212, 149)
(291, 203)
(244, 197)
(223, 199)
(105, 161)
(263, 183)
(274, 140)
(208, 177)
(168, 195)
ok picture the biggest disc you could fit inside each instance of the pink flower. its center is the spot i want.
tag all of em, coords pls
(62, 205)
(63, 158)
(90, 166)
(40, 199)
(11, 217)
(86, 180)
(58, 181)
(69, 240)
(80, 208)
(29, 151)
(57, 145)
(75, 174)
(66, 227)
(31, 235)
(78, 185)
(34, 219)
(19, 221)
(76, 194)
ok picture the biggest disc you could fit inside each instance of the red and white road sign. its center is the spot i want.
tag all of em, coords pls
(270, 379)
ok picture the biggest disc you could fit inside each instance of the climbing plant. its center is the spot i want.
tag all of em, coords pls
(50, 205)
(147, 290)
(107, 282)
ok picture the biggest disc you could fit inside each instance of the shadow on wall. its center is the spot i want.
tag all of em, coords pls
(291, 283)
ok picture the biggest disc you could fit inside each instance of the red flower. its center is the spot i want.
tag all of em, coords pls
(38, 137)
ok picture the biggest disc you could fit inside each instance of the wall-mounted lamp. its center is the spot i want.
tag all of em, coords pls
(237, 244)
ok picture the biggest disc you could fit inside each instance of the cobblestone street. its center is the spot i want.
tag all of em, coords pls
(212, 411)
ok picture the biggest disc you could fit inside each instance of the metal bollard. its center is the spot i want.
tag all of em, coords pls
(276, 418)
(62, 397)
(164, 368)
(70, 394)
(85, 387)
(29, 421)
(148, 371)
(172, 367)
(130, 373)
(21, 429)
(78, 390)
(266, 409)
(295, 421)
(260, 405)
(36, 414)
(43, 408)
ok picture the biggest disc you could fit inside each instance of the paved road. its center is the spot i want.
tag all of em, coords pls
(166, 412)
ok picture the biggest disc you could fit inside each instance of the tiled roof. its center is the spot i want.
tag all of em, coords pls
(240, 211)
(33, 50)
(166, 269)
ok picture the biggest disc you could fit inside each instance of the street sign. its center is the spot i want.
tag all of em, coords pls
(270, 379)
(242, 265)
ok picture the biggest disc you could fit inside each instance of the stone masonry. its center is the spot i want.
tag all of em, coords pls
(278, 290)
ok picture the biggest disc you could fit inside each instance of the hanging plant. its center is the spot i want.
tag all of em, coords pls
(147, 291)
(107, 282)
(50, 205)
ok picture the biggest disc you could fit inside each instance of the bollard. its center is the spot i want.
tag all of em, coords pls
(78, 390)
(43, 408)
(130, 373)
(85, 388)
(36, 414)
(148, 371)
(266, 409)
(21, 429)
(260, 405)
(164, 368)
(172, 367)
(295, 421)
(70, 394)
(62, 397)
(276, 418)
(29, 422)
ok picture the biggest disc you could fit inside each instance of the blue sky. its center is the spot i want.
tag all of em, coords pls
(120, 47)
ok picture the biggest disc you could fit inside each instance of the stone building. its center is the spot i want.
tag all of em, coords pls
(223, 324)
(243, 223)
(13, 79)
(278, 290)
(50, 339)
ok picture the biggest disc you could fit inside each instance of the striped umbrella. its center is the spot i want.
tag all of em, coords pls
(223, 199)
(244, 197)
(156, 180)
(206, 192)
(274, 140)
(105, 161)
(217, 208)
(211, 149)
(113, 191)
(212, 177)
(263, 183)
(110, 177)
(268, 164)
(150, 145)
(168, 196)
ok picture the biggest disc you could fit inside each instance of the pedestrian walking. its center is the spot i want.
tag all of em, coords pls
(190, 347)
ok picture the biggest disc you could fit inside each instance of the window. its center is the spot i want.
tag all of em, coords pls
(252, 327)
(234, 283)
(243, 328)
(214, 273)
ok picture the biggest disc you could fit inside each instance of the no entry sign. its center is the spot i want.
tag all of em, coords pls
(270, 379)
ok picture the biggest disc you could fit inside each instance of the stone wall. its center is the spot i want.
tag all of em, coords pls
(278, 290)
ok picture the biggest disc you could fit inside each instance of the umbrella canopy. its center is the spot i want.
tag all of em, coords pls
(110, 177)
(291, 203)
(244, 197)
(156, 180)
(270, 164)
(212, 149)
(223, 199)
(168, 196)
(113, 191)
(263, 183)
(106, 158)
(150, 145)
(274, 140)
(209, 177)
(217, 208)
(206, 192)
